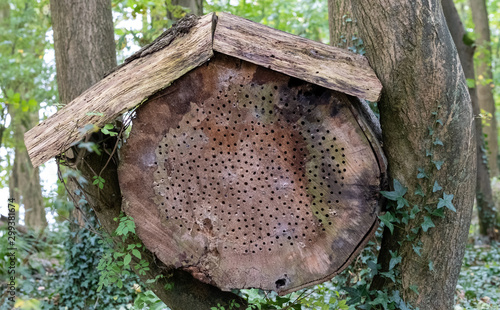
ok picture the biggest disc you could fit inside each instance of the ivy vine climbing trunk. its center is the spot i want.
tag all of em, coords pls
(428, 136)
(484, 197)
(85, 51)
(485, 80)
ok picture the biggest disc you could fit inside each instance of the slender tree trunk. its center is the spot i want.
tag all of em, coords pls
(24, 180)
(195, 6)
(484, 197)
(484, 80)
(411, 49)
(84, 44)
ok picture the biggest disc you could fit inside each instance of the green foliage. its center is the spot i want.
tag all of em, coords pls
(479, 282)
(306, 18)
(117, 261)
(79, 283)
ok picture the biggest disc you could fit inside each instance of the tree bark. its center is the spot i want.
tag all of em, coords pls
(484, 197)
(24, 180)
(85, 51)
(195, 6)
(484, 80)
(411, 49)
(341, 23)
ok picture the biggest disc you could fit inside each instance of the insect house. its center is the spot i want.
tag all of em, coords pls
(249, 162)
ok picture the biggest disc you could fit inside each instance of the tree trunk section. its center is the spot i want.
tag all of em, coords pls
(412, 51)
(85, 51)
(24, 180)
(484, 197)
(341, 23)
(195, 6)
(484, 80)
(84, 44)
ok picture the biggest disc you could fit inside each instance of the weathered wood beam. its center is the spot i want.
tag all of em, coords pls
(120, 91)
(311, 61)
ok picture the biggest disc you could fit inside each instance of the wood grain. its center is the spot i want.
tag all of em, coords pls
(257, 179)
(120, 91)
(321, 64)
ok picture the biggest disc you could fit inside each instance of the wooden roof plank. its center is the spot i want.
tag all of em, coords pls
(317, 63)
(120, 91)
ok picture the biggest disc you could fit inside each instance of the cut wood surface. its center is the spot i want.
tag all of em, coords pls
(318, 63)
(257, 179)
(120, 91)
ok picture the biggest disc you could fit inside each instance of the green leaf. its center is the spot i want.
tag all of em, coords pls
(471, 83)
(428, 153)
(417, 249)
(398, 192)
(136, 253)
(431, 131)
(436, 187)
(388, 219)
(395, 259)
(419, 191)
(414, 288)
(446, 202)
(438, 121)
(438, 163)
(421, 173)
(431, 266)
(438, 142)
(428, 223)
(127, 259)
(414, 211)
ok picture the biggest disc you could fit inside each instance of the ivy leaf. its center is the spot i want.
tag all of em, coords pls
(421, 173)
(428, 223)
(398, 192)
(417, 249)
(438, 163)
(428, 153)
(436, 187)
(431, 265)
(438, 142)
(414, 288)
(388, 219)
(439, 122)
(395, 259)
(127, 259)
(446, 202)
(419, 191)
(431, 131)
(414, 211)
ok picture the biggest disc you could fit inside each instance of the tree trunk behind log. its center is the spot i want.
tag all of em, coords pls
(414, 56)
(484, 79)
(85, 51)
(484, 197)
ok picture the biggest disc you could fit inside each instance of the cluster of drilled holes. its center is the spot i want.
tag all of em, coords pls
(250, 173)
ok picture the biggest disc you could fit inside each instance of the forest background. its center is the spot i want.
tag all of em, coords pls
(59, 252)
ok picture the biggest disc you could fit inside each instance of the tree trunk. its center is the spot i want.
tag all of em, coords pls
(24, 180)
(484, 80)
(428, 138)
(84, 44)
(195, 6)
(484, 197)
(341, 23)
